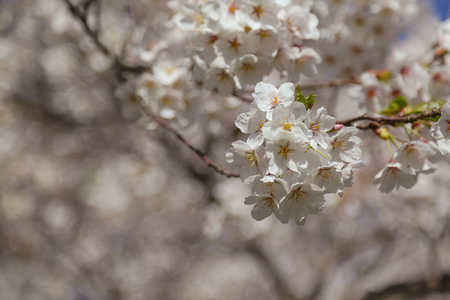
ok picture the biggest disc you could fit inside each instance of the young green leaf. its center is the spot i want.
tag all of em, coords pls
(308, 101)
(427, 106)
(395, 107)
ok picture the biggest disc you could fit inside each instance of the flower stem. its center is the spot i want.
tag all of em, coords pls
(318, 151)
(412, 131)
(390, 150)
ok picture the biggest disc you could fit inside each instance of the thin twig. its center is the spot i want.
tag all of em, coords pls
(330, 84)
(120, 67)
(147, 111)
(390, 120)
(417, 289)
(279, 283)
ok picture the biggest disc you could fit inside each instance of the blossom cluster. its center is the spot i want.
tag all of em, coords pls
(408, 162)
(356, 36)
(293, 155)
(236, 42)
(413, 85)
(417, 79)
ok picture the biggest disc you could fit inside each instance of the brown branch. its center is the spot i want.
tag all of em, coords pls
(378, 121)
(331, 83)
(163, 123)
(244, 96)
(410, 290)
(120, 67)
(278, 281)
(94, 35)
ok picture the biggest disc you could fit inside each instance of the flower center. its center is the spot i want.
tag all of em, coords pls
(232, 8)
(316, 127)
(247, 67)
(258, 10)
(234, 44)
(260, 127)
(393, 171)
(325, 175)
(285, 150)
(299, 195)
(274, 100)
(287, 125)
(251, 159)
(340, 145)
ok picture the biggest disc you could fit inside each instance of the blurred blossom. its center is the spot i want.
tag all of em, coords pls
(98, 201)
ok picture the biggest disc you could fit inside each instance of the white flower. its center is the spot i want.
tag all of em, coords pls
(441, 130)
(287, 121)
(249, 69)
(305, 62)
(267, 96)
(219, 79)
(413, 154)
(152, 51)
(204, 42)
(395, 175)
(262, 11)
(286, 152)
(370, 93)
(302, 23)
(263, 40)
(167, 72)
(319, 123)
(251, 122)
(328, 177)
(345, 146)
(249, 155)
(192, 17)
(282, 60)
(231, 46)
(301, 200)
(266, 198)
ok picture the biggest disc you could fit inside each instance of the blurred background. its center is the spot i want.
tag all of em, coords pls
(96, 203)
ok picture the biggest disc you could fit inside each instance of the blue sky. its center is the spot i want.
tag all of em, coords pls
(441, 8)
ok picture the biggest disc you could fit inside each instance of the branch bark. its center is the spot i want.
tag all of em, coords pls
(408, 290)
(163, 123)
(390, 120)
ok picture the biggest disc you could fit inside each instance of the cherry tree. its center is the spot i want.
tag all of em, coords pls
(281, 110)
(238, 50)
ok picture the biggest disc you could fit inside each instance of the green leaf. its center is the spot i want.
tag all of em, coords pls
(308, 101)
(427, 106)
(299, 96)
(395, 107)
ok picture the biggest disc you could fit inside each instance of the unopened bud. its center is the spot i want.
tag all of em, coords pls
(336, 127)
(383, 133)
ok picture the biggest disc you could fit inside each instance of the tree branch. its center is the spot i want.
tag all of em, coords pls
(330, 84)
(163, 123)
(120, 67)
(408, 290)
(378, 121)
(94, 35)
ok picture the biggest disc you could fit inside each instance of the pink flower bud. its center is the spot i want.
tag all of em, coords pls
(336, 127)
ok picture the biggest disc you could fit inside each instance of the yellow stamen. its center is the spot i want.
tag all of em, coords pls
(247, 67)
(234, 44)
(251, 159)
(285, 150)
(287, 125)
(299, 195)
